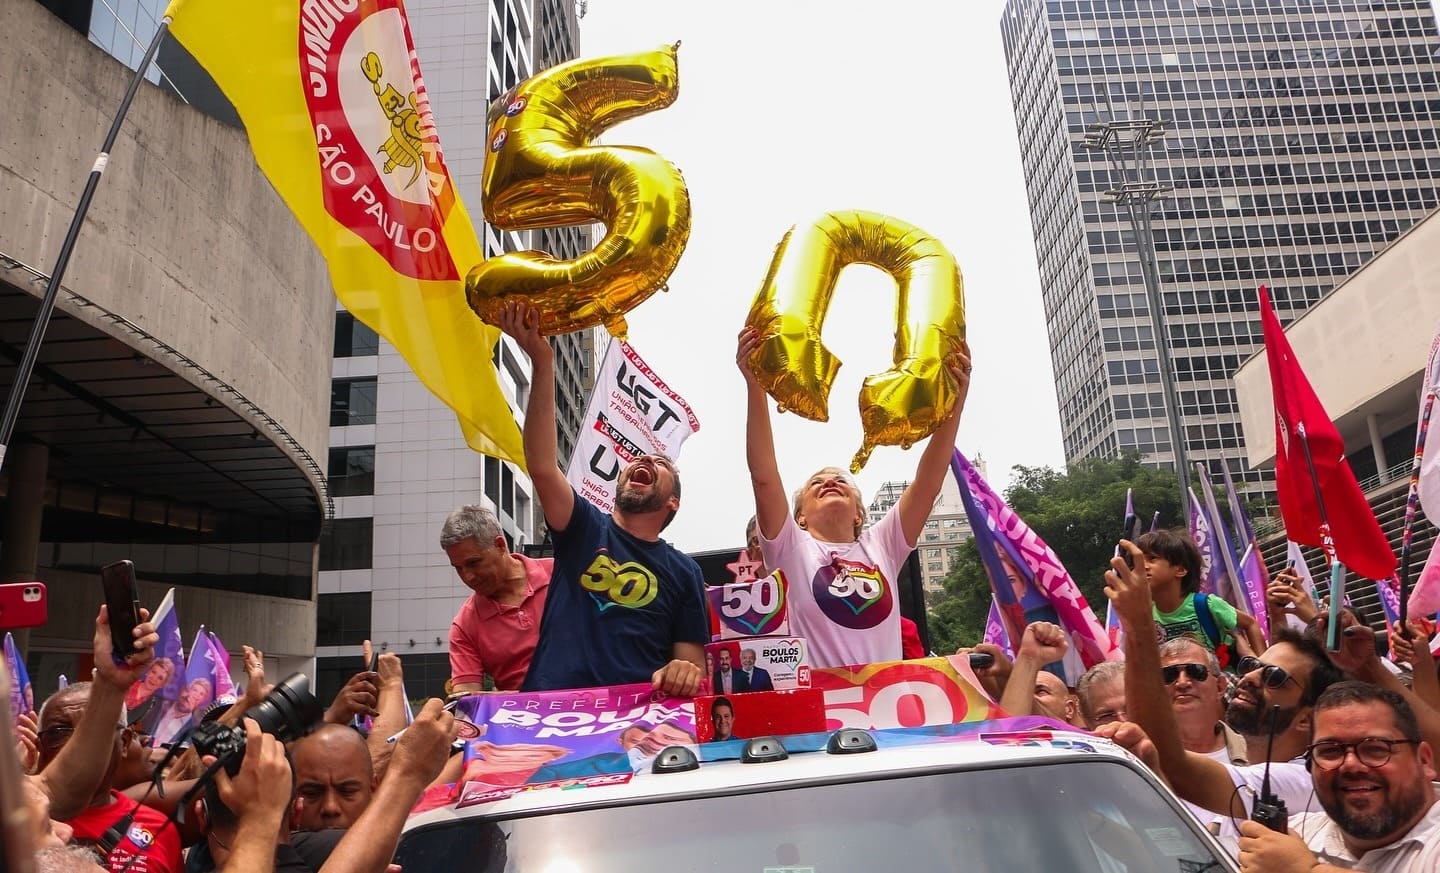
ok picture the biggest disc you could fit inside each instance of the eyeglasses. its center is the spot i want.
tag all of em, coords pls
(1196, 672)
(1271, 675)
(1371, 751)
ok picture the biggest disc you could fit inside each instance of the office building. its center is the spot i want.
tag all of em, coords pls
(1301, 139)
(398, 462)
(175, 417)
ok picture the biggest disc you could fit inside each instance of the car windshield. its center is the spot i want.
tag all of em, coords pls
(1081, 816)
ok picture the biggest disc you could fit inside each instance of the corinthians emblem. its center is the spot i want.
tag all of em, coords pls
(381, 170)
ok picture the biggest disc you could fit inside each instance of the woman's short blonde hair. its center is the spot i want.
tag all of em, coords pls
(850, 483)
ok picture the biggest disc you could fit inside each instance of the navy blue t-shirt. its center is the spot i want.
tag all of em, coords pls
(617, 605)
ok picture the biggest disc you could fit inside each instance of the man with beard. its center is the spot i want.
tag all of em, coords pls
(1275, 694)
(1374, 777)
(624, 606)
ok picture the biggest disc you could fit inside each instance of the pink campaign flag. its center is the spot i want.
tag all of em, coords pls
(1425, 593)
(1087, 636)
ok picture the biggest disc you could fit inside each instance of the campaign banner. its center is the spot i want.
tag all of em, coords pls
(757, 664)
(550, 736)
(897, 694)
(721, 718)
(632, 412)
(750, 609)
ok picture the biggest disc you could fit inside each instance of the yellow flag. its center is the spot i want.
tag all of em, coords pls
(331, 96)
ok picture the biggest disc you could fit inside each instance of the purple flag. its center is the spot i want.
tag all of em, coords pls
(224, 685)
(161, 685)
(1245, 597)
(1004, 599)
(1155, 521)
(197, 692)
(22, 693)
(1211, 572)
(995, 633)
(1252, 564)
(1051, 579)
(1389, 590)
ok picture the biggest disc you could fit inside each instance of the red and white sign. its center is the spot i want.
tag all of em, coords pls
(632, 412)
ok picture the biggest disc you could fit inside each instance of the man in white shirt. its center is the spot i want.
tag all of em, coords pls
(1374, 777)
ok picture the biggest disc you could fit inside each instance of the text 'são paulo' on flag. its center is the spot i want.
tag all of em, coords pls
(331, 96)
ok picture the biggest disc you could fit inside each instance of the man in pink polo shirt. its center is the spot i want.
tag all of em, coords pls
(495, 631)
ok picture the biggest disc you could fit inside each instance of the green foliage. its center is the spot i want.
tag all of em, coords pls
(1078, 513)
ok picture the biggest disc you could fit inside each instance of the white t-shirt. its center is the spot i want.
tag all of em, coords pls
(1416, 852)
(1289, 781)
(842, 596)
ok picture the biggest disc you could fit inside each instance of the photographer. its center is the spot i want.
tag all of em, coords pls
(246, 814)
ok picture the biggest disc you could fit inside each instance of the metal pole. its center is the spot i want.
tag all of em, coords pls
(1327, 544)
(1137, 194)
(47, 302)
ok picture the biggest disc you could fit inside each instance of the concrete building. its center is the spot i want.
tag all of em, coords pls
(1301, 140)
(1364, 347)
(175, 417)
(398, 461)
(947, 527)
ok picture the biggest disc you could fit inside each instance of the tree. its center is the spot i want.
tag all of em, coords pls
(1077, 512)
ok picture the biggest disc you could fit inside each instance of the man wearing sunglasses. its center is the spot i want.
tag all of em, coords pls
(1278, 689)
(1374, 777)
(1192, 677)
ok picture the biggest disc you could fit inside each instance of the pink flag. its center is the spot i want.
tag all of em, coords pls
(1425, 596)
(1087, 637)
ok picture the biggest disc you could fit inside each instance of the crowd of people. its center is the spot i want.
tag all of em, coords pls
(1343, 738)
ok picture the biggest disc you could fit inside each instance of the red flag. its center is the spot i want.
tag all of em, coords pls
(1359, 542)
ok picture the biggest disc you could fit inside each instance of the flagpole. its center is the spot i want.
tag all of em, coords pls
(1327, 544)
(26, 366)
(1408, 537)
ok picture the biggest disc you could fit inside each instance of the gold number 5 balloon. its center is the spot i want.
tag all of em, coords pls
(905, 403)
(542, 171)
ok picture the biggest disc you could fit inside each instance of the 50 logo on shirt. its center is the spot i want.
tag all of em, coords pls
(630, 585)
(852, 594)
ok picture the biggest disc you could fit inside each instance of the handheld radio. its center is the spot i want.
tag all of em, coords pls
(1270, 810)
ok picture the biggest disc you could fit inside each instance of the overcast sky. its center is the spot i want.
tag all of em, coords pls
(789, 109)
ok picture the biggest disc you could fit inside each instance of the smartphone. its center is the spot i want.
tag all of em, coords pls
(1131, 533)
(981, 660)
(22, 604)
(122, 602)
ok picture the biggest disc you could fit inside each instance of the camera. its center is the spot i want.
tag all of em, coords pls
(288, 712)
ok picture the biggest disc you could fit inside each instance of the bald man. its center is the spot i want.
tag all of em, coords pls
(334, 778)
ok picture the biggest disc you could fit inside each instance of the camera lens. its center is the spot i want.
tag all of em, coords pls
(289, 711)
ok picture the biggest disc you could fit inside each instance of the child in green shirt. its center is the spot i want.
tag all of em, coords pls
(1173, 567)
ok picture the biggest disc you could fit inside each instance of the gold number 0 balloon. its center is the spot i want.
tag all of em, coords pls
(905, 403)
(541, 171)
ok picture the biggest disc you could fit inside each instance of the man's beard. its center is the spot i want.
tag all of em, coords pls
(1375, 823)
(636, 500)
(1254, 722)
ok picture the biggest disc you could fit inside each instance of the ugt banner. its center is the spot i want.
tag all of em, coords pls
(632, 412)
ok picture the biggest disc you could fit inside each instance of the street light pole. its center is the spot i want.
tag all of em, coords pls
(1126, 145)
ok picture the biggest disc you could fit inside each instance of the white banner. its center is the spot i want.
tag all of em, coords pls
(632, 412)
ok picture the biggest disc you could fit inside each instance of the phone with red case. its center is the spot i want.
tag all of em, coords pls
(23, 604)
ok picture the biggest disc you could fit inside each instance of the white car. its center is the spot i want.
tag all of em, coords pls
(859, 802)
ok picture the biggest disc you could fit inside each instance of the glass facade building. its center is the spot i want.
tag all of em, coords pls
(1301, 139)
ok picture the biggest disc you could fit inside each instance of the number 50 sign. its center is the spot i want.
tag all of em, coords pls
(900, 694)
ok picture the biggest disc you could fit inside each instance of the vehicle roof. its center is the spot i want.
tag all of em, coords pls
(915, 755)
